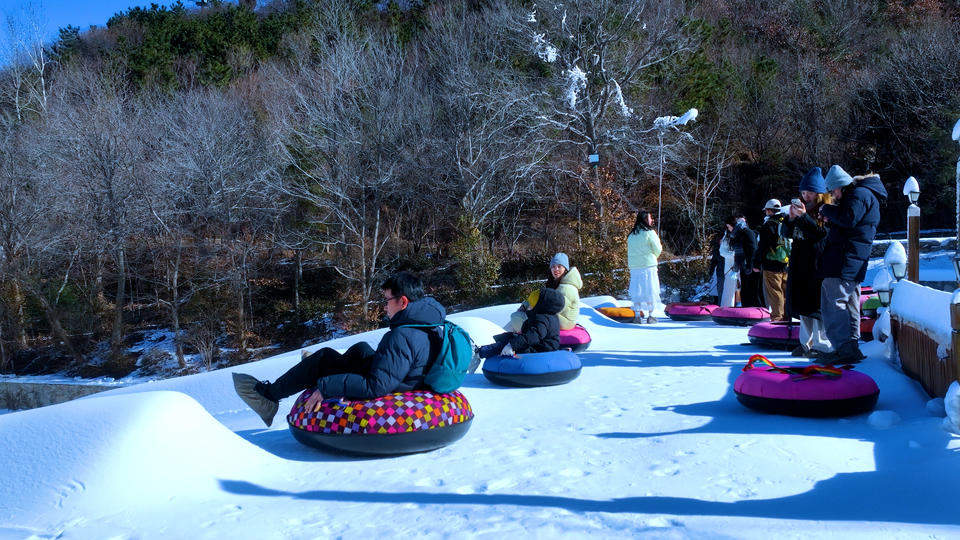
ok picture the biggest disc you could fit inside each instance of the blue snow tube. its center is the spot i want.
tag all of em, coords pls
(533, 369)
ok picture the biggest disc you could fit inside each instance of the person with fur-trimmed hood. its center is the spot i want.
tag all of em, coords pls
(809, 233)
(851, 227)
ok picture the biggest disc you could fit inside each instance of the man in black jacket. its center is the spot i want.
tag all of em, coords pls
(851, 227)
(399, 363)
(540, 331)
(744, 243)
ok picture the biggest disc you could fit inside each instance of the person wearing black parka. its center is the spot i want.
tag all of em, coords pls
(399, 363)
(851, 227)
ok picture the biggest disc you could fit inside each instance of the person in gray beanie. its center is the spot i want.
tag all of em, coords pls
(567, 281)
(851, 227)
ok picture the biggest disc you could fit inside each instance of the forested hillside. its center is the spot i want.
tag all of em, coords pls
(236, 174)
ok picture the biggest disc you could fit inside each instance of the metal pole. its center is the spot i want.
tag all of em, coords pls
(913, 243)
(660, 192)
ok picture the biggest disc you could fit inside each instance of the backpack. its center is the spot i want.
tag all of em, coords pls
(780, 252)
(456, 357)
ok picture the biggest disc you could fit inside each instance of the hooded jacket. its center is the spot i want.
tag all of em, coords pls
(569, 287)
(851, 227)
(541, 330)
(402, 357)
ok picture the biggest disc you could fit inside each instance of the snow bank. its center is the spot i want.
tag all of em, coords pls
(951, 405)
(924, 308)
(102, 453)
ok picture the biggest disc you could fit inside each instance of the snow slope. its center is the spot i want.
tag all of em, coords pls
(648, 441)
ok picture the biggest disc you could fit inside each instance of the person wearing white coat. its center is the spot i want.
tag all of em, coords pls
(643, 248)
(731, 278)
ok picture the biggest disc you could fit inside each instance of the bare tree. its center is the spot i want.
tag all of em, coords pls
(96, 151)
(210, 195)
(27, 59)
(32, 236)
(350, 124)
(599, 50)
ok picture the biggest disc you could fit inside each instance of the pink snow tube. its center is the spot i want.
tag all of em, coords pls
(690, 311)
(740, 316)
(778, 335)
(576, 339)
(810, 390)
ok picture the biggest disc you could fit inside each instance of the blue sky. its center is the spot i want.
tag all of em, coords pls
(59, 13)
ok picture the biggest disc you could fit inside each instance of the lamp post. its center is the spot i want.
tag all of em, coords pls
(956, 248)
(896, 259)
(911, 188)
(882, 285)
(662, 124)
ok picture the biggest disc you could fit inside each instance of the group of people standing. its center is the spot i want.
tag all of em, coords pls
(809, 257)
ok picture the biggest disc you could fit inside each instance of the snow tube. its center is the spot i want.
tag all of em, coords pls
(534, 369)
(866, 290)
(869, 306)
(576, 339)
(622, 314)
(399, 423)
(812, 390)
(690, 311)
(866, 328)
(740, 316)
(777, 335)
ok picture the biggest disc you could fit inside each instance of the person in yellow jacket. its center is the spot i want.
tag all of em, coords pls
(566, 281)
(643, 248)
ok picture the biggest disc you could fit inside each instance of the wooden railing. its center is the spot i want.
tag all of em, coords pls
(919, 358)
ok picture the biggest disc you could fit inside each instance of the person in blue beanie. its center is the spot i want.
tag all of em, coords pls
(851, 227)
(809, 232)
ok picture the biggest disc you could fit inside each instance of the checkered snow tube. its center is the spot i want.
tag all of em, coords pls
(400, 423)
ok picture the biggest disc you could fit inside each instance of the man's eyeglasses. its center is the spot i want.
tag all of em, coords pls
(387, 300)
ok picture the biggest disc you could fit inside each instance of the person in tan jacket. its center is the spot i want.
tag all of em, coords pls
(566, 281)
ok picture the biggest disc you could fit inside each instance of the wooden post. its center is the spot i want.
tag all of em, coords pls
(955, 336)
(913, 243)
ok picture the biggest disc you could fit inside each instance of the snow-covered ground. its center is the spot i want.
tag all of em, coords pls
(648, 441)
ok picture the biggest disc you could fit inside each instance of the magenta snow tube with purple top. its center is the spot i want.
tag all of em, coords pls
(690, 311)
(576, 339)
(770, 389)
(740, 316)
(777, 335)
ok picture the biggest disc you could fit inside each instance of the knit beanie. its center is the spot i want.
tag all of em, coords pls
(560, 259)
(813, 181)
(837, 178)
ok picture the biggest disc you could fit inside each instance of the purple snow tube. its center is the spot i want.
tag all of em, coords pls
(776, 335)
(690, 311)
(787, 390)
(576, 339)
(740, 316)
